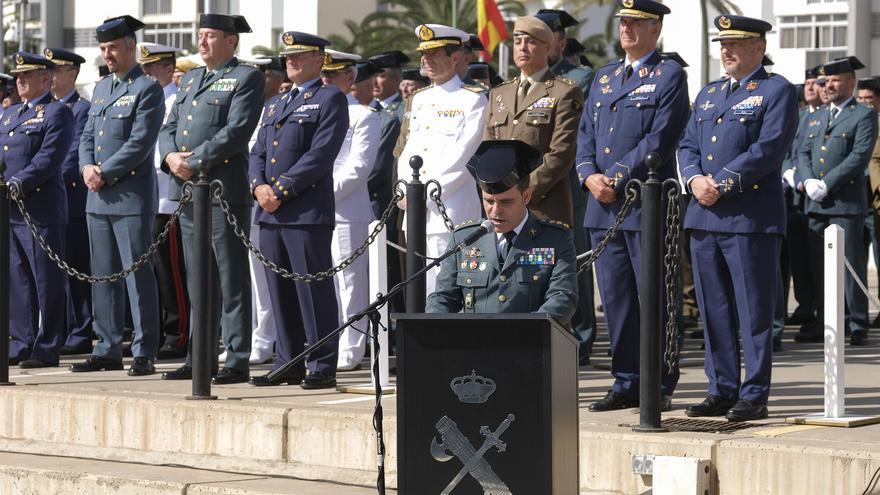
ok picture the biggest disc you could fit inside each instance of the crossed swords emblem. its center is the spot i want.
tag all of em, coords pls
(473, 461)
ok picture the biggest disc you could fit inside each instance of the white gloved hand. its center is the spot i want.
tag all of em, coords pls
(816, 189)
(788, 177)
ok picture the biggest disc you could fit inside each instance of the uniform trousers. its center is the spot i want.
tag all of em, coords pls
(230, 298)
(116, 241)
(617, 274)
(736, 278)
(435, 245)
(78, 329)
(263, 321)
(352, 288)
(304, 312)
(37, 296)
(854, 251)
(171, 277)
(583, 323)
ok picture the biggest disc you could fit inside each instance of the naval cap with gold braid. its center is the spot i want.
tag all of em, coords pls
(60, 56)
(153, 52)
(298, 42)
(642, 9)
(738, 27)
(335, 61)
(26, 62)
(437, 35)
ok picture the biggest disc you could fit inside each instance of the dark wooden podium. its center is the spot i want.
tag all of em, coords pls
(486, 403)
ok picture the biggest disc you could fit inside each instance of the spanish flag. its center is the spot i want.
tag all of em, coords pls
(490, 26)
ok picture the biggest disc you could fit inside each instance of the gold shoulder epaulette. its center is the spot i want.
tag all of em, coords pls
(508, 81)
(565, 80)
(475, 88)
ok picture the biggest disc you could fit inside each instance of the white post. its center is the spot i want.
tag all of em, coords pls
(834, 310)
(379, 284)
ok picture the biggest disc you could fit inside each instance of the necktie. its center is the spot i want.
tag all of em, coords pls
(24, 108)
(834, 112)
(505, 247)
(628, 72)
(521, 93)
(113, 84)
(734, 87)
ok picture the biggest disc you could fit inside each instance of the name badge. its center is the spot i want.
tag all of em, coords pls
(538, 256)
(226, 84)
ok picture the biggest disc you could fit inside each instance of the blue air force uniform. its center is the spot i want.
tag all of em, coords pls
(34, 138)
(835, 152)
(119, 138)
(78, 328)
(623, 121)
(738, 135)
(300, 135)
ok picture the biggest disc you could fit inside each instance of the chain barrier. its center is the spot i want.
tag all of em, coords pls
(186, 197)
(434, 195)
(631, 195)
(244, 237)
(672, 267)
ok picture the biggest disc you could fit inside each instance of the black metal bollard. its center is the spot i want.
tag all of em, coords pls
(416, 219)
(4, 276)
(651, 299)
(202, 341)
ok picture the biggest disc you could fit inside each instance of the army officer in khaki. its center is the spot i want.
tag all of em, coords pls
(526, 265)
(542, 110)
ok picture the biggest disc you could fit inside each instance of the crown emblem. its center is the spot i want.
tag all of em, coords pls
(48, 53)
(426, 33)
(472, 389)
(19, 59)
(287, 38)
(822, 70)
(328, 59)
(145, 52)
(724, 22)
(628, 4)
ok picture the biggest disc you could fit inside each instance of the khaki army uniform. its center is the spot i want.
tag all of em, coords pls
(547, 118)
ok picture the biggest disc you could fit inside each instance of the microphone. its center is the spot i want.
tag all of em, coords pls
(482, 230)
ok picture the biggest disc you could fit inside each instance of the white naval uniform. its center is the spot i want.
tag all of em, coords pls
(445, 129)
(166, 207)
(353, 216)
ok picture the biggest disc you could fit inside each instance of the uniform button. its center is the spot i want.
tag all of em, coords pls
(535, 121)
(607, 150)
(638, 105)
(610, 130)
(183, 148)
(821, 174)
(468, 281)
(710, 157)
(286, 193)
(742, 120)
(98, 164)
(100, 133)
(73, 184)
(99, 148)
(300, 121)
(614, 108)
(132, 172)
(185, 132)
(195, 103)
(502, 298)
(278, 126)
(755, 186)
(226, 160)
(273, 160)
(714, 138)
(200, 162)
(821, 160)
(536, 278)
(515, 121)
(189, 117)
(38, 189)
(823, 148)
(503, 278)
(275, 143)
(718, 121)
(11, 133)
(5, 147)
(272, 179)
(375, 195)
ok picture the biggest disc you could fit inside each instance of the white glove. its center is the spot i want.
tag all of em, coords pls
(788, 177)
(816, 189)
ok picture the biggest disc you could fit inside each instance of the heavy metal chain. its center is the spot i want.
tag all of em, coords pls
(672, 266)
(434, 195)
(305, 277)
(186, 196)
(631, 195)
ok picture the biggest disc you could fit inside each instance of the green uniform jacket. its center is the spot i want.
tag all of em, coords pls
(474, 281)
(214, 118)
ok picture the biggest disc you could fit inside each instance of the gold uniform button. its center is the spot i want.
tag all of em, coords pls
(714, 138)
(503, 278)
(278, 126)
(607, 150)
(99, 164)
(821, 174)
(821, 160)
(273, 160)
(185, 132)
(5, 147)
(275, 143)
(742, 120)
(226, 161)
(502, 298)
(718, 121)
(375, 195)
(273, 179)
(11, 133)
(73, 184)
(286, 193)
(755, 186)
(610, 130)
(515, 121)
(100, 133)
(710, 157)
(195, 103)
(536, 278)
(823, 148)
(300, 121)
(38, 189)
(614, 108)
(638, 105)
(99, 148)
(535, 121)
(119, 116)
(132, 172)
(189, 117)
(183, 148)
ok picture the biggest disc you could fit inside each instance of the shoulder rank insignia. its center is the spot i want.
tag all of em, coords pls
(618, 71)
(643, 72)
(712, 90)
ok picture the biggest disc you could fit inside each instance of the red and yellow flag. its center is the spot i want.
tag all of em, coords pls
(490, 26)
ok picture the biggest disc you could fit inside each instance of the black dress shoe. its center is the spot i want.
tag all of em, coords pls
(96, 363)
(36, 363)
(876, 322)
(614, 401)
(14, 361)
(171, 351)
(713, 405)
(126, 350)
(696, 334)
(665, 403)
(858, 337)
(316, 380)
(183, 373)
(746, 410)
(811, 332)
(294, 378)
(797, 318)
(777, 344)
(228, 376)
(141, 366)
(70, 351)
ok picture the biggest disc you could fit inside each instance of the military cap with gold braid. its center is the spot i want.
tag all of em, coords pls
(153, 52)
(437, 35)
(297, 42)
(335, 61)
(59, 56)
(642, 9)
(26, 62)
(737, 27)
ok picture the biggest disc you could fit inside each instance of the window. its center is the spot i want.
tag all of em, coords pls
(157, 7)
(176, 34)
(812, 32)
(80, 38)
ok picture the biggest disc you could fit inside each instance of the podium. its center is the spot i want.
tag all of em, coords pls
(486, 404)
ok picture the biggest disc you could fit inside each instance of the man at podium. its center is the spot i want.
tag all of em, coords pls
(522, 265)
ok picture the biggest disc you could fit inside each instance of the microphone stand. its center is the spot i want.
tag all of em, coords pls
(372, 312)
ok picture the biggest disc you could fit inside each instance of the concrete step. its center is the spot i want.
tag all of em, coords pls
(28, 474)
